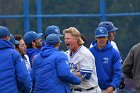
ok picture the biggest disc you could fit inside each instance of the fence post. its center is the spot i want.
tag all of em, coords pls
(39, 18)
(26, 16)
(102, 10)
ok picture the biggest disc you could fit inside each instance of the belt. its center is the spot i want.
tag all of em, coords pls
(79, 89)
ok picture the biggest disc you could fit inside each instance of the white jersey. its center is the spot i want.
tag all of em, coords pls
(27, 63)
(83, 61)
(114, 45)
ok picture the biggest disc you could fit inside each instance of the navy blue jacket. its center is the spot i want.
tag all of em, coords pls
(51, 72)
(108, 66)
(13, 73)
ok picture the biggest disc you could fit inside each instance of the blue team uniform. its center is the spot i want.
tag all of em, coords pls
(13, 73)
(108, 65)
(31, 52)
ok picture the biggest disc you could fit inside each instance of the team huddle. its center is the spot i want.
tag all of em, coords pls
(29, 65)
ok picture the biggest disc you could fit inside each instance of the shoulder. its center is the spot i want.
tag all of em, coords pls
(85, 51)
(114, 45)
(60, 54)
(15, 52)
(137, 46)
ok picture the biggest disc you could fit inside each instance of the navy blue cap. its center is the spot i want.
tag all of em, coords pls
(108, 25)
(31, 36)
(4, 31)
(52, 29)
(101, 32)
(53, 39)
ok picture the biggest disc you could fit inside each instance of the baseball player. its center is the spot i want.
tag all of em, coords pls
(82, 62)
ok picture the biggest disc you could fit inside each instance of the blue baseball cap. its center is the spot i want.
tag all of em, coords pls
(52, 29)
(12, 39)
(108, 25)
(31, 36)
(53, 39)
(4, 31)
(101, 32)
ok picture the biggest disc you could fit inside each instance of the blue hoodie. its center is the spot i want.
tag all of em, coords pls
(13, 73)
(51, 72)
(32, 52)
(108, 65)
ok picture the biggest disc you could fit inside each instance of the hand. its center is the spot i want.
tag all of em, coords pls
(109, 90)
(78, 74)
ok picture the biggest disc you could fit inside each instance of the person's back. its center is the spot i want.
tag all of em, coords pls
(13, 73)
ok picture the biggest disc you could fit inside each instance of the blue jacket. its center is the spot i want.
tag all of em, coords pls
(32, 52)
(51, 72)
(108, 65)
(13, 73)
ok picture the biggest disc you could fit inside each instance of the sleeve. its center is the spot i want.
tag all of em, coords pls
(23, 77)
(128, 64)
(63, 70)
(117, 70)
(86, 64)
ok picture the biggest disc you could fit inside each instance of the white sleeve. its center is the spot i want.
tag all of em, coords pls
(87, 64)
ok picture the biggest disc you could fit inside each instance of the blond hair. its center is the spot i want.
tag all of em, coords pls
(74, 32)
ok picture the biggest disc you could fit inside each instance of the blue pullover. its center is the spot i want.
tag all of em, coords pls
(108, 66)
(13, 73)
(32, 52)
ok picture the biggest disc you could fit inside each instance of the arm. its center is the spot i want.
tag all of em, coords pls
(22, 75)
(64, 71)
(117, 70)
(128, 64)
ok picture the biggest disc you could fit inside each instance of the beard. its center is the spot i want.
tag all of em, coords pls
(38, 45)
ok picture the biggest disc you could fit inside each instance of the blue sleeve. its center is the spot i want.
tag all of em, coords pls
(87, 75)
(64, 71)
(23, 77)
(117, 70)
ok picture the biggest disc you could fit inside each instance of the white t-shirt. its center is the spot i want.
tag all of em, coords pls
(83, 61)
(27, 63)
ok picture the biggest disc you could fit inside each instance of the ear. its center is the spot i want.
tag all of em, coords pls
(33, 43)
(7, 38)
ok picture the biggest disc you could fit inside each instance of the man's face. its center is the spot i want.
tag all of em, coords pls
(112, 36)
(38, 43)
(70, 41)
(22, 47)
(101, 42)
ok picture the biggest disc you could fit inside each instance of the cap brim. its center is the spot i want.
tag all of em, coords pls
(60, 35)
(40, 35)
(60, 41)
(16, 42)
(101, 36)
(114, 29)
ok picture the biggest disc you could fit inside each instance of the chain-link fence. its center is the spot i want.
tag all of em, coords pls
(23, 15)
